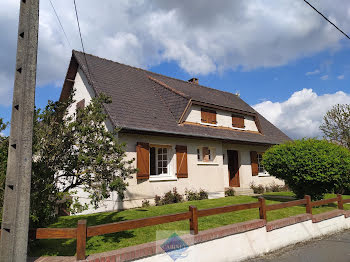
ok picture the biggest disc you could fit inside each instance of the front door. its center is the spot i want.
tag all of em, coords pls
(233, 167)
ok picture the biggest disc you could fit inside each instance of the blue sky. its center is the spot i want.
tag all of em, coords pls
(282, 57)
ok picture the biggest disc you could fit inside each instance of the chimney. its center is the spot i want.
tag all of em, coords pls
(193, 80)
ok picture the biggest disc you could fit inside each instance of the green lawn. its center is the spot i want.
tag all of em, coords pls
(108, 242)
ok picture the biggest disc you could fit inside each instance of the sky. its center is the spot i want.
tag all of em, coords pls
(282, 57)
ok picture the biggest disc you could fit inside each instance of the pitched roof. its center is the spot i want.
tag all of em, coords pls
(150, 102)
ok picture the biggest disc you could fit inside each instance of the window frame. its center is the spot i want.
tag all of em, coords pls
(170, 175)
(212, 155)
(259, 157)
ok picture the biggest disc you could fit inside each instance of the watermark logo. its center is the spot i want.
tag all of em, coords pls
(175, 247)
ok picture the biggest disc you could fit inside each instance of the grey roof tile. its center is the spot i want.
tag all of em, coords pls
(143, 100)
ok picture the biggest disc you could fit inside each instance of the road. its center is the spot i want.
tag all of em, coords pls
(334, 248)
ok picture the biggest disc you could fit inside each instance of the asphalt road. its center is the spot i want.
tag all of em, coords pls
(334, 248)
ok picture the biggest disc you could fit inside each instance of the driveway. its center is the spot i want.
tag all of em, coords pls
(334, 248)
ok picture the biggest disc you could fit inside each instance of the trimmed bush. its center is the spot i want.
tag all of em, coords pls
(259, 189)
(169, 197)
(310, 166)
(145, 203)
(193, 195)
(229, 192)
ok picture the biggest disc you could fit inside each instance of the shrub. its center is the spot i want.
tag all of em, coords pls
(157, 200)
(310, 166)
(169, 197)
(203, 194)
(193, 195)
(145, 203)
(229, 192)
(273, 187)
(259, 189)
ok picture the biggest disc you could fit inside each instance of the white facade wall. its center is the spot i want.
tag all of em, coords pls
(211, 176)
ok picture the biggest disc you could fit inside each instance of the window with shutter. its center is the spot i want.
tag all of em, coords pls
(254, 163)
(208, 116)
(238, 121)
(81, 104)
(143, 160)
(181, 162)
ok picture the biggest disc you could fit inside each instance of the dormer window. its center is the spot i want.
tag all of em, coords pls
(208, 116)
(238, 121)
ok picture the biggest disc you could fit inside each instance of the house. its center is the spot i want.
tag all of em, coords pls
(182, 134)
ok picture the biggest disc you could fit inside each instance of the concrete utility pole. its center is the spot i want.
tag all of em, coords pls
(15, 220)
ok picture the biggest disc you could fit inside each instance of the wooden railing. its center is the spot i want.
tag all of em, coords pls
(82, 232)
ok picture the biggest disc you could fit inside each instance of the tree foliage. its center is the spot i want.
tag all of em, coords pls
(310, 166)
(336, 125)
(71, 152)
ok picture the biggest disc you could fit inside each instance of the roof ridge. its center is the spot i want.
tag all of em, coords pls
(169, 87)
(148, 71)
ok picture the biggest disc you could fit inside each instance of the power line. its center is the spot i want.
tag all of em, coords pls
(327, 19)
(81, 40)
(59, 21)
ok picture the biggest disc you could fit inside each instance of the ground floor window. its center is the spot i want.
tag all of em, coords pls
(261, 168)
(205, 154)
(159, 160)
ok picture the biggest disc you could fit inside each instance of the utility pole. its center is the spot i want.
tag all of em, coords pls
(15, 219)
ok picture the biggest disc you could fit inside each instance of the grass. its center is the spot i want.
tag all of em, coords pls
(97, 244)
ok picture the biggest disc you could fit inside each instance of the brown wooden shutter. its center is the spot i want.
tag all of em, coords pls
(208, 116)
(254, 162)
(142, 160)
(81, 104)
(181, 161)
(237, 121)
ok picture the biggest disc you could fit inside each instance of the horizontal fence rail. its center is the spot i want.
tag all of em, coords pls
(137, 223)
(286, 204)
(82, 231)
(225, 209)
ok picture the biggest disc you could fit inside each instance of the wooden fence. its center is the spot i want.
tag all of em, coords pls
(82, 231)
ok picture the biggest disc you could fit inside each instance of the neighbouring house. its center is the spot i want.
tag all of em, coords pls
(181, 134)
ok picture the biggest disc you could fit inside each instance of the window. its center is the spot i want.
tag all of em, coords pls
(159, 160)
(238, 121)
(208, 116)
(205, 154)
(261, 168)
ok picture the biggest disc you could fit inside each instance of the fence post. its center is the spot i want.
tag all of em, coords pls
(193, 220)
(81, 239)
(340, 201)
(308, 204)
(262, 208)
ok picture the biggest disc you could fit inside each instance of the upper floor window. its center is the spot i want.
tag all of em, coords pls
(238, 121)
(208, 116)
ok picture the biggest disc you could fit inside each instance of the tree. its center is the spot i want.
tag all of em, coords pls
(72, 151)
(336, 125)
(310, 166)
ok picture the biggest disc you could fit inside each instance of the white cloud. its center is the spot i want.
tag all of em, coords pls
(325, 77)
(301, 114)
(341, 77)
(315, 72)
(201, 36)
